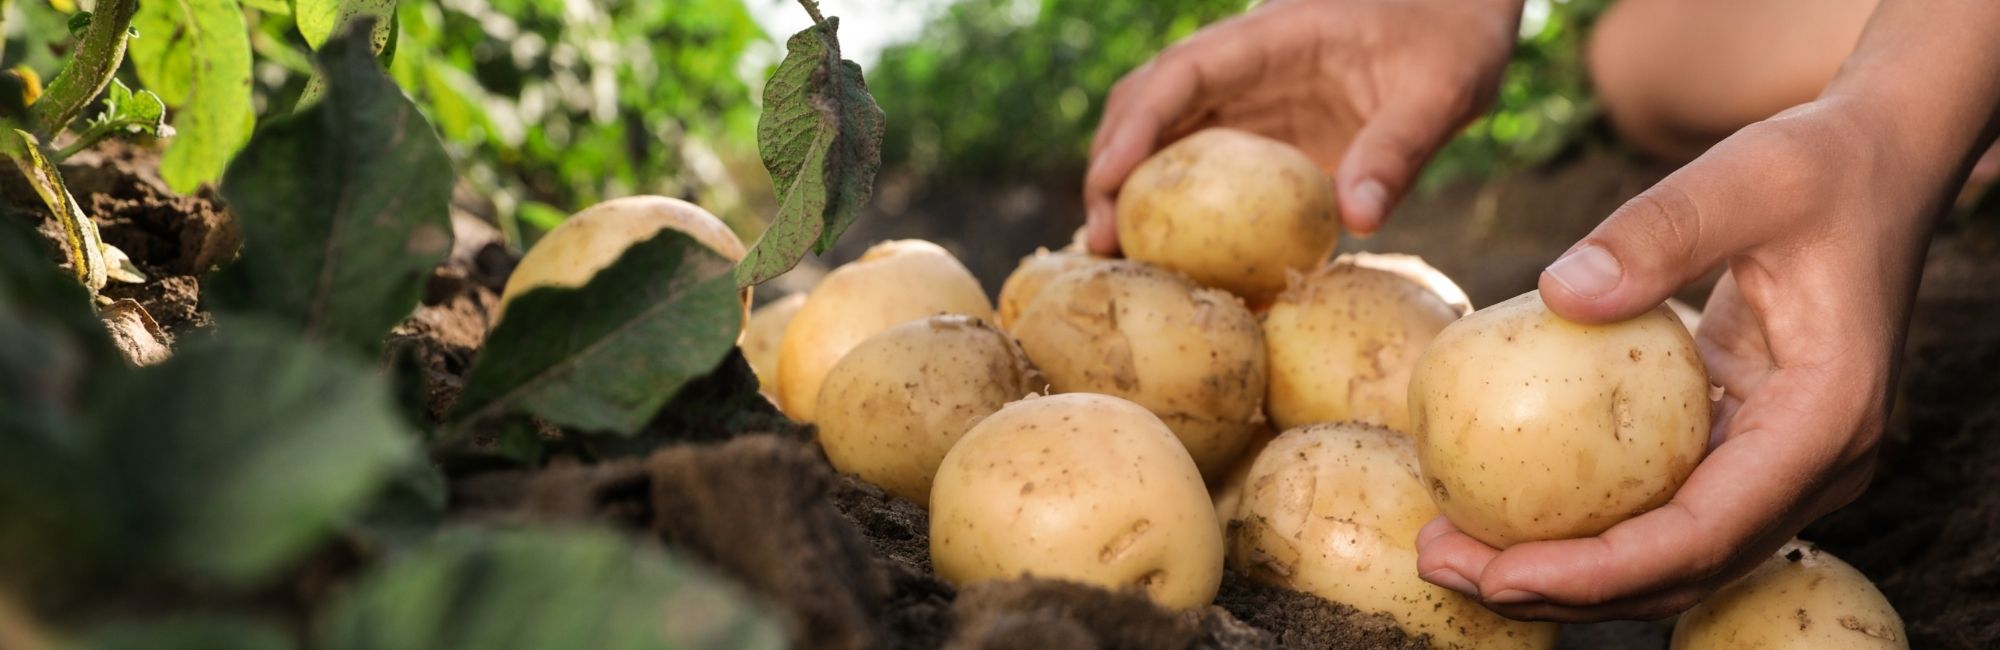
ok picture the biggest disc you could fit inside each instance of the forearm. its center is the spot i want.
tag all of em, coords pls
(1927, 70)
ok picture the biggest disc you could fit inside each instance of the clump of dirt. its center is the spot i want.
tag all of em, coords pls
(1297, 620)
(167, 234)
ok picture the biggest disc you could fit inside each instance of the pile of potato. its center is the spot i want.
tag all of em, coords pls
(1228, 395)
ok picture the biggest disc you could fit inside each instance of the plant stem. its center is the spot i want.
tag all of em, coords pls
(89, 137)
(91, 69)
(812, 7)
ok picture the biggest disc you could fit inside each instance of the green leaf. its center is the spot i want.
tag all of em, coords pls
(318, 19)
(821, 139)
(200, 632)
(127, 112)
(607, 355)
(241, 451)
(344, 208)
(527, 590)
(196, 55)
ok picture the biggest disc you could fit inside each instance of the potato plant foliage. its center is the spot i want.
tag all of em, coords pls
(163, 506)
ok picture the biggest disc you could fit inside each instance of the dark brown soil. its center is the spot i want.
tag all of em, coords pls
(735, 485)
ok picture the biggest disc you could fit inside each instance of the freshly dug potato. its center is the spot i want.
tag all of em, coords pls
(893, 282)
(1034, 273)
(1082, 487)
(762, 335)
(1804, 599)
(1531, 427)
(1230, 208)
(891, 408)
(579, 247)
(1333, 510)
(1342, 340)
(1193, 356)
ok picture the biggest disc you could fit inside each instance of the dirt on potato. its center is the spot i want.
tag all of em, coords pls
(722, 477)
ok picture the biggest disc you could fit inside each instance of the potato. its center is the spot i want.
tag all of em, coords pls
(1232, 209)
(1530, 427)
(1081, 487)
(892, 283)
(587, 242)
(1333, 510)
(1802, 598)
(1193, 356)
(762, 335)
(1342, 340)
(1034, 273)
(892, 407)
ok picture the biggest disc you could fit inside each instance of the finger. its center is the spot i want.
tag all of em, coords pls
(1383, 160)
(1649, 607)
(1669, 235)
(1449, 558)
(1741, 503)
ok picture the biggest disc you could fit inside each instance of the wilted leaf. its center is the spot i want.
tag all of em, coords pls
(81, 245)
(238, 453)
(202, 632)
(134, 333)
(344, 208)
(528, 590)
(821, 139)
(606, 356)
(196, 55)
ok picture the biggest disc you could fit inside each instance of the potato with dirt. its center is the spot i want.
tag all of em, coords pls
(1343, 339)
(1083, 487)
(1802, 598)
(587, 242)
(762, 335)
(1036, 272)
(1232, 209)
(892, 407)
(1531, 427)
(1333, 510)
(1193, 356)
(892, 283)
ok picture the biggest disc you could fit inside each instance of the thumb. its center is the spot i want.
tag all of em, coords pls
(1661, 240)
(1384, 158)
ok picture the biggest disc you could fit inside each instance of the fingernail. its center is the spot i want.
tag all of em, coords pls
(1370, 200)
(1450, 579)
(1589, 271)
(1513, 597)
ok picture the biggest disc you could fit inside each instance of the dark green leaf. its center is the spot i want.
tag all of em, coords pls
(50, 342)
(607, 355)
(241, 451)
(196, 55)
(529, 590)
(344, 208)
(78, 22)
(821, 139)
(209, 632)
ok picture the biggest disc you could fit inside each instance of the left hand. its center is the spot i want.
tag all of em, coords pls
(1821, 216)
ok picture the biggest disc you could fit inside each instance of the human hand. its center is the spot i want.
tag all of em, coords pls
(1369, 89)
(1821, 216)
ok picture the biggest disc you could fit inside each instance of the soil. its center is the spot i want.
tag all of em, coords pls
(722, 477)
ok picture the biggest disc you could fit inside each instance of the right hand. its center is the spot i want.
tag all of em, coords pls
(1369, 89)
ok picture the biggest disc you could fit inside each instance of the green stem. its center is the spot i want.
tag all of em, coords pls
(812, 7)
(90, 136)
(91, 69)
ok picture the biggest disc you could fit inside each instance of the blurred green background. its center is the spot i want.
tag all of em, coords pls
(551, 105)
